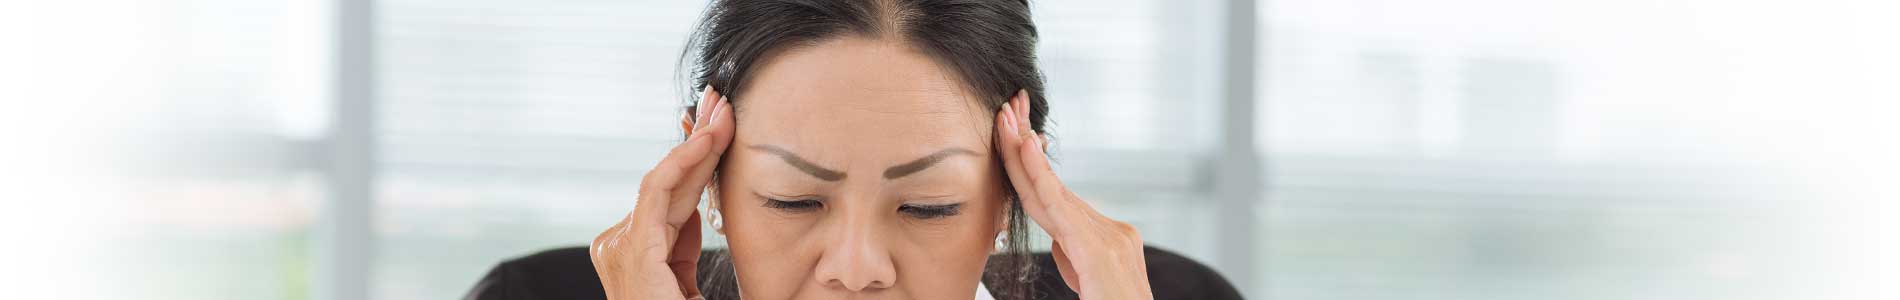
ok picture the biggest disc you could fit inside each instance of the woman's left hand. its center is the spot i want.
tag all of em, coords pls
(1100, 258)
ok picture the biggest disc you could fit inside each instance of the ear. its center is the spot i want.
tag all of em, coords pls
(712, 202)
(686, 120)
(1002, 219)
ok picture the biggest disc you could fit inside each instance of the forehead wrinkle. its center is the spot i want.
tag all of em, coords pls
(929, 99)
(864, 94)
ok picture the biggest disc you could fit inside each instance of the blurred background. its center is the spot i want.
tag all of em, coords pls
(1307, 149)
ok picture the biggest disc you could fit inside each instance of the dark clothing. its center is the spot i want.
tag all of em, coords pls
(568, 273)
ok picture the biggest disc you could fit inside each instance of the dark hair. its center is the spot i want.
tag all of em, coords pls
(989, 44)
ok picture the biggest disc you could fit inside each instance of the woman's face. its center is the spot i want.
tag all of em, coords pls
(862, 169)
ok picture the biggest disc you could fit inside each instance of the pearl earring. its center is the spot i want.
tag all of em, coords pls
(1002, 242)
(718, 222)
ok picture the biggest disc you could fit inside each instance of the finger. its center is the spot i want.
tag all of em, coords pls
(723, 125)
(1064, 267)
(657, 186)
(1048, 202)
(1088, 209)
(717, 127)
(708, 105)
(644, 266)
(684, 259)
(606, 242)
(707, 99)
(602, 251)
(1023, 111)
(1062, 210)
(1008, 138)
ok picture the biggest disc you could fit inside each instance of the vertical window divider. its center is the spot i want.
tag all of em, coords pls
(1237, 186)
(343, 241)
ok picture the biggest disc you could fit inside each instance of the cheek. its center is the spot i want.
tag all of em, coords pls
(949, 258)
(767, 252)
(973, 228)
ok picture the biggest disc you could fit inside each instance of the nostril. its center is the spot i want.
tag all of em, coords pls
(858, 286)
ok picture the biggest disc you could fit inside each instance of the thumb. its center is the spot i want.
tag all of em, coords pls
(1066, 268)
(684, 257)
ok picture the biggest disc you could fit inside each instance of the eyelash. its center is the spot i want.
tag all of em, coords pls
(925, 212)
(928, 212)
(797, 206)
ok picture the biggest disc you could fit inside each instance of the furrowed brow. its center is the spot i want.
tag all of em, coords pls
(798, 162)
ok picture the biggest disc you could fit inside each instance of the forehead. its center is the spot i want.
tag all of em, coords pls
(852, 99)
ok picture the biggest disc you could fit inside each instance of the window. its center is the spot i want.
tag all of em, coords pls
(509, 127)
(1475, 149)
(211, 187)
(1452, 149)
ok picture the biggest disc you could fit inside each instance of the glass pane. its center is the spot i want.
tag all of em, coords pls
(509, 127)
(1475, 149)
(1133, 89)
(194, 168)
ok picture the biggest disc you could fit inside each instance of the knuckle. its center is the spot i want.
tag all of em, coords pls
(1123, 233)
(1126, 229)
(1044, 179)
(648, 192)
(605, 238)
(679, 167)
(601, 251)
(649, 184)
(600, 241)
(652, 242)
(1045, 172)
(1051, 205)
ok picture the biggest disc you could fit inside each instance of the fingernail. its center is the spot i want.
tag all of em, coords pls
(699, 116)
(717, 104)
(700, 113)
(718, 109)
(1009, 120)
(1021, 98)
(706, 105)
(1024, 113)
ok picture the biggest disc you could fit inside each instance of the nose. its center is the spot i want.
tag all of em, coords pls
(857, 259)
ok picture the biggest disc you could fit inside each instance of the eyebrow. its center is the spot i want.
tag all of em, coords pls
(923, 163)
(800, 163)
(893, 172)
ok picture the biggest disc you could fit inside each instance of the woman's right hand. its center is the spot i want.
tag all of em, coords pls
(653, 253)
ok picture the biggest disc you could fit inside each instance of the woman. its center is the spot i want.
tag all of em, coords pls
(864, 149)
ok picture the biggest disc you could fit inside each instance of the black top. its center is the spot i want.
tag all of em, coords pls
(568, 273)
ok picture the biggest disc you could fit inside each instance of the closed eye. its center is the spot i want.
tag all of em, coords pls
(795, 206)
(927, 212)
